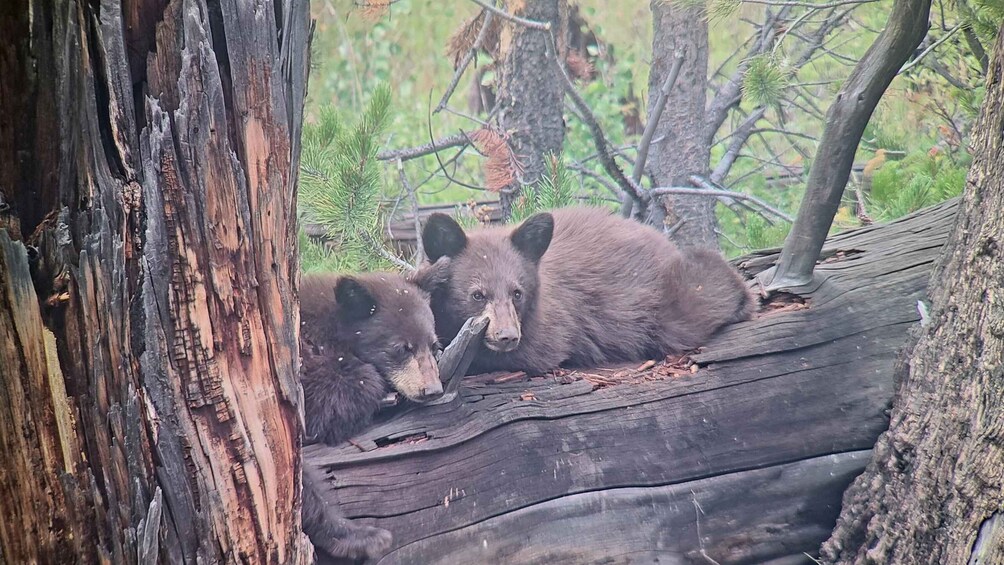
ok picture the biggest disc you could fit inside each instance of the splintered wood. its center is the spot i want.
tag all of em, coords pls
(672, 366)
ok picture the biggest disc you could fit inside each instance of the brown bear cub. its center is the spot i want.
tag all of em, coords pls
(578, 287)
(361, 338)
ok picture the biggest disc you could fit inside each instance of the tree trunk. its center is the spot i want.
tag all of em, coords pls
(531, 94)
(934, 492)
(845, 123)
(150, 407)
(679, 149)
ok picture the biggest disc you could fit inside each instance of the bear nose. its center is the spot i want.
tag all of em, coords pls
(432, 391)
(507, 336)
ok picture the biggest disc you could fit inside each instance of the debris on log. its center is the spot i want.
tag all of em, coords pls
(736, 453)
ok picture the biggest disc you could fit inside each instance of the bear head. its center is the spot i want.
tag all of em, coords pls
(492, 271)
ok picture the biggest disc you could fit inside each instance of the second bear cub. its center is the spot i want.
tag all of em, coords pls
(361, 337)
(579, 287)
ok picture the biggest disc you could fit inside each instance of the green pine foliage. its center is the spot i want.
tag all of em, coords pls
(902, 187)
(554, 190)
(340, 188)
(765, 80)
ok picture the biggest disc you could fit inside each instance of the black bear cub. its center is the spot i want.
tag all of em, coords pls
(361, 337)
(578, 287)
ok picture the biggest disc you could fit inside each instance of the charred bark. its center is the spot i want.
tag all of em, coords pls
(681, 150)
(531, 93)
(150, 407)
(934, 491)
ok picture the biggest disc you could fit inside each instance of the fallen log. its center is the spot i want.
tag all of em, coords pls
(738, 453)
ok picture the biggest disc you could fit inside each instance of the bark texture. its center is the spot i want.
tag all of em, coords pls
(680, 149)
(934, 491)
(531, 94)
(151, 408)
(845, 123)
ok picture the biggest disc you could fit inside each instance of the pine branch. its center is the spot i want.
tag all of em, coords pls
(471, 53)
(543, 26)
(409, 153)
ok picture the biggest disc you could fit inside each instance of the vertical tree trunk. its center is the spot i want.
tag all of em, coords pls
(531, 94)
(934, 492)
(680, 149)
(150, 407)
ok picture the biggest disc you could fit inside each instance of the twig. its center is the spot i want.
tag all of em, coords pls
(409, 153)
(700, 540)
(659, 191)
(742, 134)
(375, 245)
(810, 5)
(930, 48)
(598, 178)
(602, 145)
(653, 122)
(419, 248)
(471, 53)
(544, 26)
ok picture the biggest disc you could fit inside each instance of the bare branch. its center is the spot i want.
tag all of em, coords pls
(380, 249)
(739, 137)
(598, 178)
(544, 26)
(709, 186)
(810, 5)
(408, 153)
(471, 53)
(916, 61)
(602, 145)
(653, 122)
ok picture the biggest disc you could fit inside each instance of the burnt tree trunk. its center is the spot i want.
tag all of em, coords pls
(150, 405)
(679, 149)
(531, 94)
(934, 492)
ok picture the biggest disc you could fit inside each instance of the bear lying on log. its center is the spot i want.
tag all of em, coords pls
(737, 453)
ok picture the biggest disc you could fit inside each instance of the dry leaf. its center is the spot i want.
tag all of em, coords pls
(502, 167)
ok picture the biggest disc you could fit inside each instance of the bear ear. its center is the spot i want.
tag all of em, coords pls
(431, 277)
(533, 236)
(353, 300)
(442, 236)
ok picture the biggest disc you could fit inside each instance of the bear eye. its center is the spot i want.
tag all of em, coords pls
(409, 348)
(517, 294)
(478, 295)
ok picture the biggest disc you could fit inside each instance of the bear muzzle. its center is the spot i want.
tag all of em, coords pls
(418, 379)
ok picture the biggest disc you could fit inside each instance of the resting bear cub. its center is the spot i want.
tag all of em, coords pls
(361, 337)
(578, 287)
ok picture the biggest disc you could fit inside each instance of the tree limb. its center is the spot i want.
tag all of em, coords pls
(653, 123)
(471, 53)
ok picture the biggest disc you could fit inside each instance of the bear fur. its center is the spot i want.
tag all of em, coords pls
(578, 287)
(361, 337)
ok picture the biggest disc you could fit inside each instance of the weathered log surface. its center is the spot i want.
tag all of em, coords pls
(744, 460)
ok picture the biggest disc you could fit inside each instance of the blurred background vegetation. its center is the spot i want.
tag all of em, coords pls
(378, 71)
